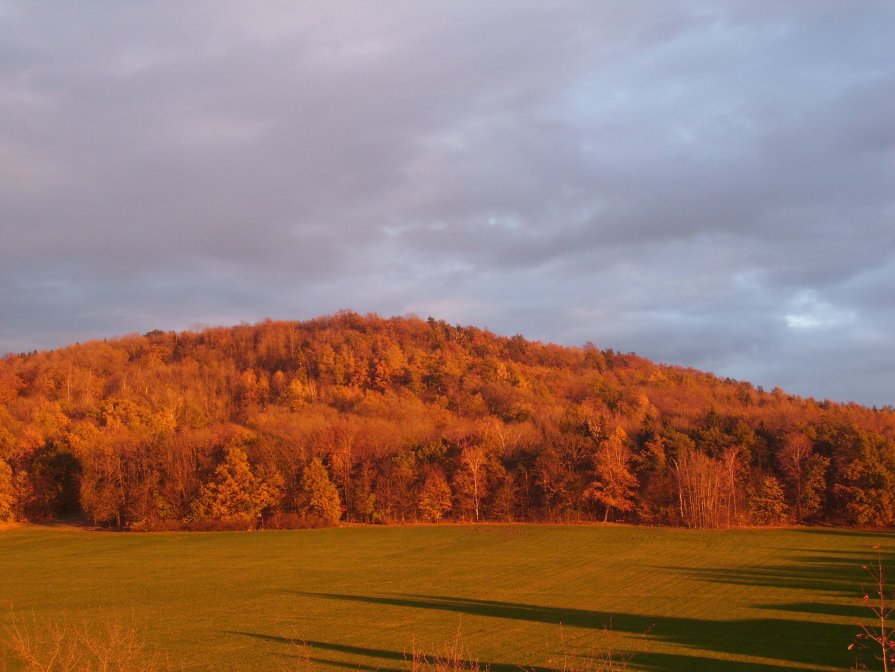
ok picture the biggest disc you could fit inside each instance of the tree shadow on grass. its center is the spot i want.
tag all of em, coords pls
(817, 573)
(399, 661)
(393, 657)
(796, 641)
(829, 573)
(857, 612)
(805, 642)
(881, 536)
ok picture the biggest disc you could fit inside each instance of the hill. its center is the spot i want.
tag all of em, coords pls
(365, 419)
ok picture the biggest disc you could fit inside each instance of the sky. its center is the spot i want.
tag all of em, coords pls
(706, 183)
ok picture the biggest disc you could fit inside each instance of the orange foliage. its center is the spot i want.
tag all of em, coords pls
(398, 409)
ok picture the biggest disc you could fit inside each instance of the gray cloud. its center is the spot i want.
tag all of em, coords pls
(706, 183)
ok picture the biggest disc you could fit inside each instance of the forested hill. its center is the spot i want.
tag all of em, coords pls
(368, 419)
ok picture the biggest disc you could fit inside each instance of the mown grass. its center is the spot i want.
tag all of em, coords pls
(731, 601)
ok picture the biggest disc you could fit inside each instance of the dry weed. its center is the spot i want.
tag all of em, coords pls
(603, 658)
(67, 645)
(452, 657)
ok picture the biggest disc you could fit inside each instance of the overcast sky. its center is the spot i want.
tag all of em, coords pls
(704, 183)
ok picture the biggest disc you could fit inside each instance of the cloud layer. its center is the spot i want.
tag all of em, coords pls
(706, 183)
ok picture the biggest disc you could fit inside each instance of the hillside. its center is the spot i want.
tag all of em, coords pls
(366, 419)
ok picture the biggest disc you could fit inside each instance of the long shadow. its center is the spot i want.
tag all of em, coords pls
(800, 641)
(403, 657)
(828, 574)
(796, 641)
(832, 576)
(879, 535)
(846, 582)
(856, 555)
(657, 662)
(669, 662)
(516, 611)
(857, 612)
(384, 654)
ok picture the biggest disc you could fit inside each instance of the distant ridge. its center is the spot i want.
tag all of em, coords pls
(368, 419)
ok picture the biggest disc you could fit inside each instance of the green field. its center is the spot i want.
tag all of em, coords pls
(364, 597)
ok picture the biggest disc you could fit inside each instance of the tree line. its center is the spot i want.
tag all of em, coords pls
(371, 420)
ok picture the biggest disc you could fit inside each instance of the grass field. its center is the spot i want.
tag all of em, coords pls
(730, 601)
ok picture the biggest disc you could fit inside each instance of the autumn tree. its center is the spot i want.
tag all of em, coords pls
(864, 474)
(805, 473)
(10, 383)
(341, 446)
(54, 474)
(298, 394)
(396, 485)
(234, 494)
(321, 495)
(731, 465)
(553, 481)
(102, 493)
(615, 483)
(364, 496)
(767, 505)
(504, 493)
(7, 493)
(183, 458)
(435, 496)
(656, 503)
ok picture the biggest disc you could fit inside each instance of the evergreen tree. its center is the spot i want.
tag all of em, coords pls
(7, 493)
(322, 496)
(435, 496)
(768, 507)
(234, 494)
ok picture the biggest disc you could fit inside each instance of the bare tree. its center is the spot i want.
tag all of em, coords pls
(701, 482)
(473, 459)
(879, 637)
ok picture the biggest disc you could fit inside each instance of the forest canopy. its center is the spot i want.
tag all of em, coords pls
(373, 420)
